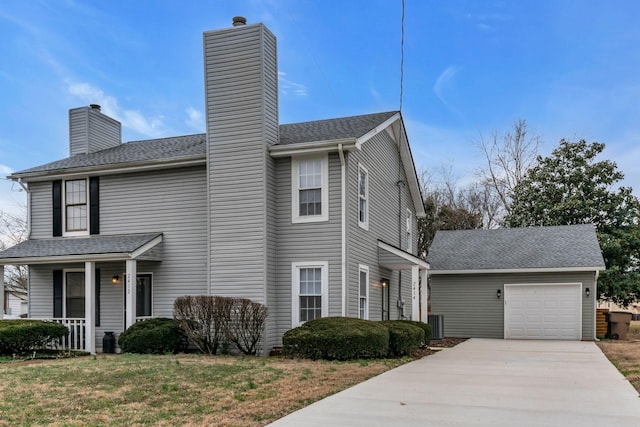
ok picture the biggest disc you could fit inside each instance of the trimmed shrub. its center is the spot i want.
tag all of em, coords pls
(214, 322)
(204, 319)
(425, 327)
(20, 336)
(404, 337)
(246, 325)
(337, 338)
(153, 336)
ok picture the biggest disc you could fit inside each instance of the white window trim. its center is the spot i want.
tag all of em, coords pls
(363, 224)
(409, 230)
(64, 288)
(66, 233)
(295, 289)
(295, 194)
(364, 268)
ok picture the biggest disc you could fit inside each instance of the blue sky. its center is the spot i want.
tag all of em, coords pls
(570, 68)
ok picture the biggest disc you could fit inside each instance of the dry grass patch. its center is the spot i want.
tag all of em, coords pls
(625, 354)
(168, 390)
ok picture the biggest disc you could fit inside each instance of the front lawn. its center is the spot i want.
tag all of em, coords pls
(171, 390)
(625, 354)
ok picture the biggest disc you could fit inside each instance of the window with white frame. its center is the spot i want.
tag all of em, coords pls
(409, 228)
(363, 279)
(75, 206)
(309, 178)
(363, 197)
(310, 291)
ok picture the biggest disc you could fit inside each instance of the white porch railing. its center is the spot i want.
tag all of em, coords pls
(75, 339)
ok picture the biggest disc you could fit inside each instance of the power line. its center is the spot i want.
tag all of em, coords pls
(402, 57)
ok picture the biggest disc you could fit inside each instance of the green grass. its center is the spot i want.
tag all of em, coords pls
(169, 390)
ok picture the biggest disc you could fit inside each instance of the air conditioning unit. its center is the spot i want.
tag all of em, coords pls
(437, 326)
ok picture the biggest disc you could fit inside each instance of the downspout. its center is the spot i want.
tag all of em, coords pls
(595, 304)
(26, 189)
(343, 250)
(400, 303)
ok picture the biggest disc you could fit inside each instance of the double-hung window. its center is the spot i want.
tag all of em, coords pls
(363, 279)
(75, 206)
(309, 177)
(310, 288)
(363, 197)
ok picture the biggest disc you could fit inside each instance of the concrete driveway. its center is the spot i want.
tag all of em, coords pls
(484, 382)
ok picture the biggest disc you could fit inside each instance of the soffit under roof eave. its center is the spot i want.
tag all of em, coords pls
(110, 169)
(395, 124)
(397, 259)
(373, 132)
(348, 144)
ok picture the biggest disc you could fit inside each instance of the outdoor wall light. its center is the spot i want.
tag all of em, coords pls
(587, 291)
(499, 293)
(115, 279)
(384, 282)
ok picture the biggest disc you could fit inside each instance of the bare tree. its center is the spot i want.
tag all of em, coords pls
(507, 161)
(13, 230)
(447, 207)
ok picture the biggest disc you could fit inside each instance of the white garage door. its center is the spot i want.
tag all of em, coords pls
(543, 312)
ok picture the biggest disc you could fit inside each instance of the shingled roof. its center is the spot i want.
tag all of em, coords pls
(559, 247)
(194, 146)
(117, 245)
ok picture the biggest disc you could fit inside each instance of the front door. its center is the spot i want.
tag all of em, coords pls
(144, 287)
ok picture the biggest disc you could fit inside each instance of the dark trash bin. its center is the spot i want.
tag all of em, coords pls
(618, 323)
(108, 343)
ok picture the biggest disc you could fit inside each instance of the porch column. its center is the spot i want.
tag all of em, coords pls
(424, 294)
(415, 290)
(130, 302)
(2, 291)
(90, 306)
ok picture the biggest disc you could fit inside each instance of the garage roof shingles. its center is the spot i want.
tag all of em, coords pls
(567, 246)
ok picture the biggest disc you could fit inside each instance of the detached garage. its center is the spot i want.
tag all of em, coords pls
(516, 283)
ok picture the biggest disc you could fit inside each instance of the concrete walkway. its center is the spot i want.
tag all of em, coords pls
(484, 382)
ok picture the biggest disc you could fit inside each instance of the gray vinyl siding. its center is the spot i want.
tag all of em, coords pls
(307, 242)
(388, 204)
(242, 120)
(172, 202)
(41, 206)
(471, 309)
(91, 131)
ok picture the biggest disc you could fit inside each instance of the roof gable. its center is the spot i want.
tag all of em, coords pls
(560, 247)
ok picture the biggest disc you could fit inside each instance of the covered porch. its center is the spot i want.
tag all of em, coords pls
(394, 258)
(73, 264)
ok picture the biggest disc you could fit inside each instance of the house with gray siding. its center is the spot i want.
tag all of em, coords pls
(516, 283)
(311, 219)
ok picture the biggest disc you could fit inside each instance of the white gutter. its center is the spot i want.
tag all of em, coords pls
(343, 251)
(109, 169)
(517, 270)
